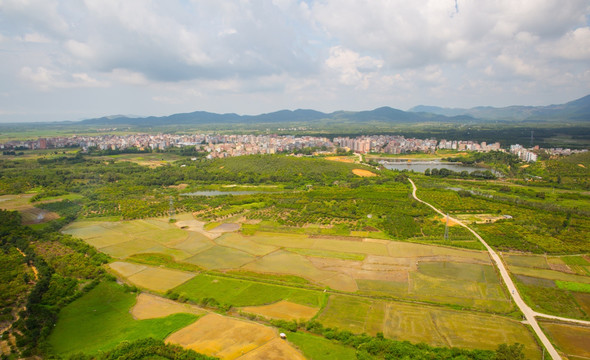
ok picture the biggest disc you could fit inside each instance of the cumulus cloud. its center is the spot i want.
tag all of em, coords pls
(269, 52)
(47, 79)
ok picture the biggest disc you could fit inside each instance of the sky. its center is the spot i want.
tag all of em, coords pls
(77, 59)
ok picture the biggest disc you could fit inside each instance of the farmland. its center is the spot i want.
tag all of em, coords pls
(312, 241)
(101, 320)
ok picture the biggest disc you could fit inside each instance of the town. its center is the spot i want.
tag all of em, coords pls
(220, 146)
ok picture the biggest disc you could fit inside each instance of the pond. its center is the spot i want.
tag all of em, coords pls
(420, 166)
(221, 193)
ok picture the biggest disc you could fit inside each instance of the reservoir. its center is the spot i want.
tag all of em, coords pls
(420, 166)
(221, 193)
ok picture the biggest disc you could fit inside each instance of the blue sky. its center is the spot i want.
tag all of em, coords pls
(69, 60)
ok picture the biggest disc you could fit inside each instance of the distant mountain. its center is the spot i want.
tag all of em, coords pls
(383, 114)
(577, 110)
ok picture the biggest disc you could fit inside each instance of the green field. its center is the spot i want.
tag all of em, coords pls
(319, 348)
(238, 292)
(100, 320)
(421, 323)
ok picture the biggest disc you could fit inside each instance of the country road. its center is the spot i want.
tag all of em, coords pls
(526, 310)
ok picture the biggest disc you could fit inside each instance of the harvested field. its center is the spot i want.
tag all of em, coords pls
(149, 277)
(220, 257)
(222, 336)
(571, 339)
(363, 173)
(532, 261)
(223, 228)
(284, 310)
(274, 349)
(284, 262)
(410, 250)
(244, 243)
(343, 159)
(421, 323)
(160, 279)
(584, 301)
(194, 244)
(126, 269)
(534, 281)
(150, 306)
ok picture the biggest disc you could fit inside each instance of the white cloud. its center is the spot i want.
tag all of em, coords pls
(352, 68)
(245, 55)
(46, 79)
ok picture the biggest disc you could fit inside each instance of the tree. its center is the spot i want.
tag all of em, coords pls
(510, 352)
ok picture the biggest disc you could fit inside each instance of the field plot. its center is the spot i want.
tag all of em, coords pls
(228, 338)
(549, 274)
(283, 262)
(30, 214)
(243, 243)
(420, 323)
(150, 306)
(220, 257)
(100, 320)
(571, 339)
(244, 292)
(532, 261)
(149, 277)
(284, 310)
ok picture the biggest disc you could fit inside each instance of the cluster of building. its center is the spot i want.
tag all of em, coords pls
(523, 154)
(217, 145)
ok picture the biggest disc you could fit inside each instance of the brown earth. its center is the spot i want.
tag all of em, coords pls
(222, 336)
(571, 339)
(283, 310)
(363, 173)
(340, 159)
(276, 349)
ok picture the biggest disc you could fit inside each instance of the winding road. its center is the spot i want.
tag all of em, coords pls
(526, 310)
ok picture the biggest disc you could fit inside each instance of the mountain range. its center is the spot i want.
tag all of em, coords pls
(573, 111)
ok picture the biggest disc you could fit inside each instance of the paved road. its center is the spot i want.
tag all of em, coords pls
(526, 310)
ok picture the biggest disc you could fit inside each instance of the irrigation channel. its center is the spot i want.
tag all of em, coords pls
(526, 310)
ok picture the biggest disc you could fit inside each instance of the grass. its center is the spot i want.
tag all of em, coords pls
(100, 320)
(573, 286)
(238, 292)
(552, 301)
(220, 257)
(549, 274)
(319, 348)
(161, 259)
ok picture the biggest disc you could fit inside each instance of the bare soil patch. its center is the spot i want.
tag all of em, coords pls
(179, 186)
(561, 267)
(340, 159)
(275, 349)
(284, 310)
(229, 227)
(150, 306)
(363, 173)
(222, 336)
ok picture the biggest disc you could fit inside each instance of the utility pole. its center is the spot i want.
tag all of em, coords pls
(172, 211)
(447, 228)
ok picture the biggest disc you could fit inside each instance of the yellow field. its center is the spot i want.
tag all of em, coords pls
(274, 349)
(363, 173)
(149, 277)
(225, 337)
(343, 159)
(284, 310)
(432, 325)
(571, 339)
(150, 306)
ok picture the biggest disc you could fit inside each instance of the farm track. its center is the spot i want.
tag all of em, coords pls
(526, 310)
